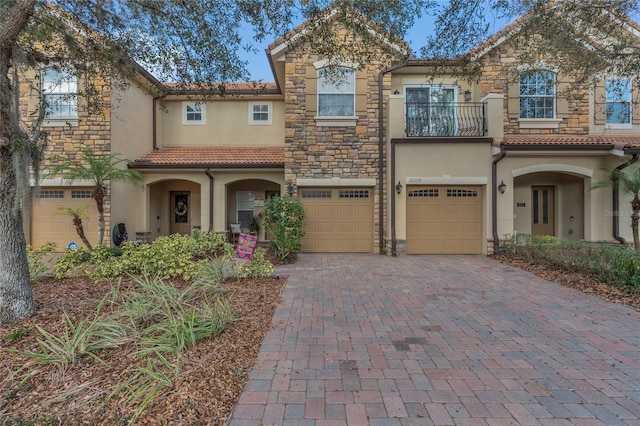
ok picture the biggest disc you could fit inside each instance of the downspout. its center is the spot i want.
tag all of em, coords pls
(494, 199)
(208, 173)
(394, 249)
(154, 143)
(616, 200)
(381, 183)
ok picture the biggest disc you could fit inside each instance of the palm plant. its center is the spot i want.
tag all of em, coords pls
(77, 215)
(628, 182)
(100, 169)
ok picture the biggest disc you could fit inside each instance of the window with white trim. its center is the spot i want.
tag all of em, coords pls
(245, 201)
(193, 113)
(336, 92)
(538, 95)
(260, 113)
(59, 89)
(618, 101)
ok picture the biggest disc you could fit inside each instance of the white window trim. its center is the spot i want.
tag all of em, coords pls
(338, 120)
(543, 122)
(427, 86)
(203, 108)
(628, 125)
(269, 120)
(50, 121)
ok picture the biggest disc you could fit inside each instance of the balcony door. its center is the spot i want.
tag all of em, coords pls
(542, 215)
(430, 111)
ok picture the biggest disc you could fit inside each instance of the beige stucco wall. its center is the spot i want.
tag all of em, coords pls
(572, 176)
(131, 136)
(227, 124)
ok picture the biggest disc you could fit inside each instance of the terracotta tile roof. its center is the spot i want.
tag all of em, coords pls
(577, 142)
(212, 157)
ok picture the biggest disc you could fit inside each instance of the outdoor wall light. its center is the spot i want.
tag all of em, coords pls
(467, 95)
(396, 92)
(398, 187)
(289, 188)
(502, 187)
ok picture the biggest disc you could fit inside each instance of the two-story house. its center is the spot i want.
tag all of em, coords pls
(417, 157)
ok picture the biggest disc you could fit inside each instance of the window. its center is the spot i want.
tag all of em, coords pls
(336, 92)
(618, 101)
(193, 113)
(430, 111)
(245, 202)
(59, 89)
(538, 95)
(260, 113)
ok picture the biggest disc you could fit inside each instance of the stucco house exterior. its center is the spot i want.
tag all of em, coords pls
(415, 157)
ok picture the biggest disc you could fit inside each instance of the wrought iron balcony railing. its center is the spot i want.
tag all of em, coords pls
(445, 119)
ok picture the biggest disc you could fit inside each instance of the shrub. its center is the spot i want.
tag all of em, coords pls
(40, 261)
(258, 267)
(166, 257)
(284, 225)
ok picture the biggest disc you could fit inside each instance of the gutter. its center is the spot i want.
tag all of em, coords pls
(210, 176)
(494, 199)
(616, 199)
(154, 137)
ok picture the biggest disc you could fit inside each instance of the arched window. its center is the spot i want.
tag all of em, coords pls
(59, 89)
(336, 92)
(538, 95)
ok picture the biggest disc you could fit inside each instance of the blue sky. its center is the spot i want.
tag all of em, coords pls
(416, 37)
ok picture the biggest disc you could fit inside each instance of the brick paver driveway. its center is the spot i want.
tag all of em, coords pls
(369, 339)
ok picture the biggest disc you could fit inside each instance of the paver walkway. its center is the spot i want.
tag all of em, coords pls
(375, 340)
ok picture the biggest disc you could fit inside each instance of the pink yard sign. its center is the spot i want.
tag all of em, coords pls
(246, 246)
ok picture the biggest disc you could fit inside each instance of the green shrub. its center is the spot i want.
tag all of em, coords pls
(612, 264)
(258, 267)
(166, 257)
(284, 225)
(40, 261)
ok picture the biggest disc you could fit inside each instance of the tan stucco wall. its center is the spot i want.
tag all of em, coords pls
(227, 124)
(442, 164)
(131, 136)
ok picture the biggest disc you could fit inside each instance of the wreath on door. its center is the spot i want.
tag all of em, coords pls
(181, 211)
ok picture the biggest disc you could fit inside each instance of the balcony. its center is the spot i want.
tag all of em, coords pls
(431, 120)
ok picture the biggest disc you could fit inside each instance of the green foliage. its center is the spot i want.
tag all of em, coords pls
(615, 265)
(166, 257)
(18, 334)
(258, 267)
(40, 261)
(284, 225)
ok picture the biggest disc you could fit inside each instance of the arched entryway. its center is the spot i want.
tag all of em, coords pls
(550, 203)
(174, 207)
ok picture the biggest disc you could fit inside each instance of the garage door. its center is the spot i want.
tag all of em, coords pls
(48, 224)
(444, 220)
(338, 220)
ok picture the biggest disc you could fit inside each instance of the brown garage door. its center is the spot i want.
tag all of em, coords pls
(444, 220)
(338, 220)
(47, 224)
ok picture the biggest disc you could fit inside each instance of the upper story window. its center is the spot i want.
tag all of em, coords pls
(193, 113)
(260, 112)
(430, 111)
(59, 89)
(336, 93)
(618, 101)
(538, 95)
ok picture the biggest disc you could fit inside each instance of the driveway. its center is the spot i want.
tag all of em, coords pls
(443, 340)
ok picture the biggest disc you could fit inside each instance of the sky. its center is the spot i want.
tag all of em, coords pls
(261, 71)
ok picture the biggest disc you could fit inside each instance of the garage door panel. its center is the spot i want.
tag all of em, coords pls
(338, 220)
(49, 225)
(444, 220)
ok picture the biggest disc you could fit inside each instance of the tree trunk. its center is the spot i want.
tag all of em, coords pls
(77, 222)
(99, 194)
(635, 218)
(16, 295)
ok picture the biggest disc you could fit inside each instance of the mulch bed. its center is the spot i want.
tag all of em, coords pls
(212, 376)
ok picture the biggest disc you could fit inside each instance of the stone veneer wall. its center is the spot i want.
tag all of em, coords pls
(93, 127)
(313, 151)
(499, 75)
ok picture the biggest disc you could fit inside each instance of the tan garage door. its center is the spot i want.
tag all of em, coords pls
(47, 224)
(338, 220)
(444, 220)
